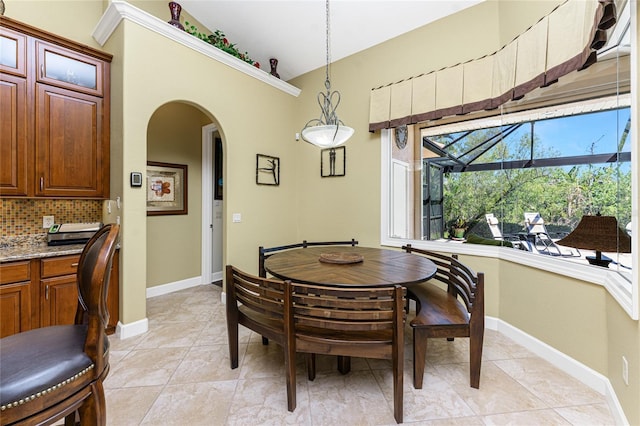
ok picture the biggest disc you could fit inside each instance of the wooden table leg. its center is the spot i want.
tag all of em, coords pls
(344, 364)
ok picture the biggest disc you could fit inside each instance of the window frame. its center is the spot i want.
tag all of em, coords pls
(623, 290)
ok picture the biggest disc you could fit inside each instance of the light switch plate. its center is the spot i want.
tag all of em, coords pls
(237, 217)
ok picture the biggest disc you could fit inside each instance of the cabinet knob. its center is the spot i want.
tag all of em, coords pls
(41, 183)
(46, 292)
(74, 264)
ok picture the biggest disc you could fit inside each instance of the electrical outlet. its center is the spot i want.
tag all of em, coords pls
(48, 221)
(625, 370)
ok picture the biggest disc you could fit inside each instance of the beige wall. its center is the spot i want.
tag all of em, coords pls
(230, 99)
(175, 136)
(149, 71)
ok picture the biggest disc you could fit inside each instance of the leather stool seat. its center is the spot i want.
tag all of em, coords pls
(53, 372)
(28, 370)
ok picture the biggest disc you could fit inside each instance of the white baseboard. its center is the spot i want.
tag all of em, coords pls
(124, 331)
(575, 369)
(216, 276)
(159, 290)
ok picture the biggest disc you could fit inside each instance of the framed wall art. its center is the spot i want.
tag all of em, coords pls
(166, 188)
(267, 170)
(333, 162)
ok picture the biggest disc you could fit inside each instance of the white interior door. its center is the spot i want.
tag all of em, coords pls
(212, 212)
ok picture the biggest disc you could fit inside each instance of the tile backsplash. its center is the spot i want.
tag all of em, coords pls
(24, 216)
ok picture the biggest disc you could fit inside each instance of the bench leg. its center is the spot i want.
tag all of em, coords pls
(419, 356)
(232, 332)
(475, 358)
(265, 341)
(398, 381)
(290, 373)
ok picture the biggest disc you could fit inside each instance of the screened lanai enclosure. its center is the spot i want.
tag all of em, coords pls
(562, 163)
(559, 163)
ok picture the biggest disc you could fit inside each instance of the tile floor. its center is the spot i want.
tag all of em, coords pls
(178, 374)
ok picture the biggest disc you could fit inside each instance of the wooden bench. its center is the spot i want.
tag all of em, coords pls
(455, 312)
(364, 322)
(264, 306)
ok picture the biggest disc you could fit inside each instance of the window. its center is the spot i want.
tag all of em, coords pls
(563, 151)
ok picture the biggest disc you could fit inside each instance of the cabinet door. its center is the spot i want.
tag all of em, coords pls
(71, 154)
(59, 300)
(13, 53)
(15, 308)
(13, 135)
(62, 67)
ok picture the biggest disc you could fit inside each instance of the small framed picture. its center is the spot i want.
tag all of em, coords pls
(166, 188)
(267, 170)
(333, 162)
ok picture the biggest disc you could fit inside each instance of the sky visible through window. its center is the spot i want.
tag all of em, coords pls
(580, 134)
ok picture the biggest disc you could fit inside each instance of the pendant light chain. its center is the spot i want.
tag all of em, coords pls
(327, 82)
(328, 131)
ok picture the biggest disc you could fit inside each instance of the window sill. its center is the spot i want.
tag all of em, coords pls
(618, 284)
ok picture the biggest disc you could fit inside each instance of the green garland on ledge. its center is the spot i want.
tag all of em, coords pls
(218, 39)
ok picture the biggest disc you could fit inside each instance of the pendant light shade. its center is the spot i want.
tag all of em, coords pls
(327, 131)
(327, 136)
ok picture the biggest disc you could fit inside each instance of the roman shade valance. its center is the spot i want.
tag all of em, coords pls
(563, 41)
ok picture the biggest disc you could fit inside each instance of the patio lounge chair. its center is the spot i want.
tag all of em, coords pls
(518, 241)
(540, 239)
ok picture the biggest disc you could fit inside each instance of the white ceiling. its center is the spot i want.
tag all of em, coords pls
(293, 31)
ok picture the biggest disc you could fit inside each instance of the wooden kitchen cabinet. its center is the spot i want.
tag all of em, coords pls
(58, 290)
(15, 297)
(55, 94)
(13, 55)
(65, 68)
(70, 153)
(43, 292)
(14, 148)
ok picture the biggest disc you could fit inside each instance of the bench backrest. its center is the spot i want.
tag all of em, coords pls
(461, 281)
(347, 309)
(266, 299)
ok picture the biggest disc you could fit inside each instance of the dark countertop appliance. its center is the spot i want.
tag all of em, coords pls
(72, 233)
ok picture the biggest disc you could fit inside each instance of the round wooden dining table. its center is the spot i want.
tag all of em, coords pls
(353, 267)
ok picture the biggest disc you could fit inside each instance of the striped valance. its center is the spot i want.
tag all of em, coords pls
(563, 41)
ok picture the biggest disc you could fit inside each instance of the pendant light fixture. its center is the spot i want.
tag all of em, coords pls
(327, 131)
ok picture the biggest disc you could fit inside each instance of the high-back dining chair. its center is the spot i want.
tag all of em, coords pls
(53, 372)
(362, 322)
(264, 306)
(457, 311)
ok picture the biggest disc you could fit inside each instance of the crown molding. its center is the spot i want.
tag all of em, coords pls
(119, 10)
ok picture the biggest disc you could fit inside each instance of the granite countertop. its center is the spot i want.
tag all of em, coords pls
(8, 254)
(33, 246)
